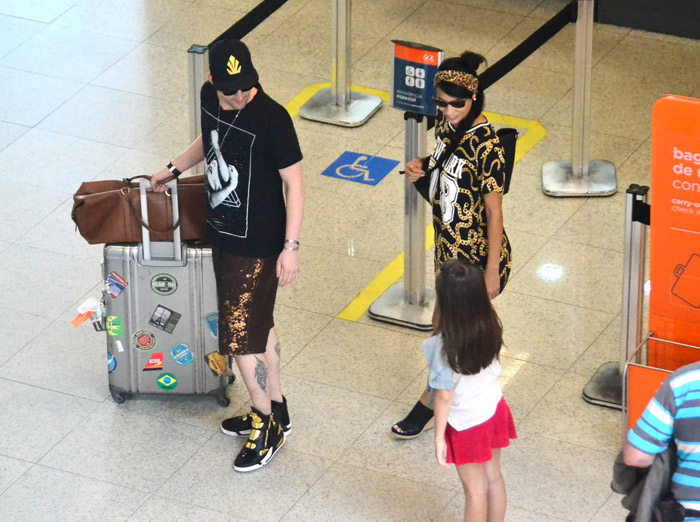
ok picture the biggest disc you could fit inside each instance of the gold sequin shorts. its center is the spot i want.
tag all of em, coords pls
(246, 289)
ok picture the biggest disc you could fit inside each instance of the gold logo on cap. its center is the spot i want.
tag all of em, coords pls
(233, 66)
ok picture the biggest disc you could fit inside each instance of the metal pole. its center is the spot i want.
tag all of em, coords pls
(414, 222)
(198, 68)
(409, 303)
(633, 276)
(580, 176)
(337, 105)
(340, 75)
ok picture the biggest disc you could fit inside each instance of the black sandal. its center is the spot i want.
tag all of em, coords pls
(418, 420)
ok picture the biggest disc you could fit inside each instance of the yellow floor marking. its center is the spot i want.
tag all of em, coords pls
(534, 132)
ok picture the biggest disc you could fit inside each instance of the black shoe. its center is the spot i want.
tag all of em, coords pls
(266, 437)
(240, 426)
(418, 420)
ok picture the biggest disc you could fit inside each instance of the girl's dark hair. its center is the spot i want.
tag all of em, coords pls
(471, 332)
(468, 62)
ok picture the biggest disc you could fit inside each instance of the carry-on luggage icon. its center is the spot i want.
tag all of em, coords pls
(687, 285)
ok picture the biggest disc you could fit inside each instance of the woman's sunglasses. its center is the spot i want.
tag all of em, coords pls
(457, 104)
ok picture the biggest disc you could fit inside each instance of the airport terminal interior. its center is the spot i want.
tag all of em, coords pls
(98, 89)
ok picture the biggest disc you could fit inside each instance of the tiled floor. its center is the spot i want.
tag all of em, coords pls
(98, 89)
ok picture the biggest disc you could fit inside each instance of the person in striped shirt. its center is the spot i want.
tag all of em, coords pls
(672, 414)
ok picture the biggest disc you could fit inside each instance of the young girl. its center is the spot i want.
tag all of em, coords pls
(472, 420)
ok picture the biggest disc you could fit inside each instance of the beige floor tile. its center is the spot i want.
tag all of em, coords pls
(456, 27)
(72, 54)
(413, 460)
(17, 216)
(326, 420)
(455, 512)
(34, 96)
(340, 277)
(171, 136)
(135, 163)
(339, 356)
(11, 470)
(637, 168)
(106, 115)
(150, 449)
(524, 245)
(600, 223)
(47, 152)
(14, 31)
(555, 478)
(357, 227)
(588, 278)
(606, 348)
(27, 285)
(24, 436)
(157, 507)
(45, 495)
(355, 494)
(195, 24)
(18, 329)
(36, 9)
(549, 8)
(9, 132)
(525, 384)
(564, 415)
(207, 480)
(131, 19)
(159, 72)
(296, 328)
(611, 510)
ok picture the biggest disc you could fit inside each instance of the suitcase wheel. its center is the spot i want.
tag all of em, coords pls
(223, 400)
(119, 398)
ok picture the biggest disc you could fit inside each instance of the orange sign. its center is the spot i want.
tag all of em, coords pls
(674, 304)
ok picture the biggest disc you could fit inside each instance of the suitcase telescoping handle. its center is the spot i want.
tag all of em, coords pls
(144, 187)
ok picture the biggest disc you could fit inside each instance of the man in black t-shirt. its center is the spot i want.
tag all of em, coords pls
(253, 164)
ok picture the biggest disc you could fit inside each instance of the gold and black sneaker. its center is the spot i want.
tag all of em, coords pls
(240, 426)
(266, 437)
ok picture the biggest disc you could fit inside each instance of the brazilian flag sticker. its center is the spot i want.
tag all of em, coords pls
(167, 381)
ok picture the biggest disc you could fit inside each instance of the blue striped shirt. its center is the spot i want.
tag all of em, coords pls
(674, 413)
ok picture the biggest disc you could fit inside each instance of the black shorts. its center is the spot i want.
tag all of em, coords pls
(246, 289)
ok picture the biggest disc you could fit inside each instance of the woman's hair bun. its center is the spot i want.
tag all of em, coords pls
(471, 61)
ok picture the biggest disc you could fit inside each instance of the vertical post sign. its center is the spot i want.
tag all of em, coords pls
(674, 305)
(413, 70)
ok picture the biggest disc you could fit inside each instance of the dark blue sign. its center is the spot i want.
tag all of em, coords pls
(361, 168)
(414, 70)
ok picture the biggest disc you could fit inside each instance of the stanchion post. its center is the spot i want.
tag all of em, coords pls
(607, 387)
(198, 68)
(633, 274)
(337, 105)
(409, 303)
(580, 177)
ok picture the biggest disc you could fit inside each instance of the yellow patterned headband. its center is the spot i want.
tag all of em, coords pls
(459, 78)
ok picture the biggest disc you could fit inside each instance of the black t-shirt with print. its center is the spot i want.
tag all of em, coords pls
(244, 151)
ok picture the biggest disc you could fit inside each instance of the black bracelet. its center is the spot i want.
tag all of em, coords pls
(173, 169)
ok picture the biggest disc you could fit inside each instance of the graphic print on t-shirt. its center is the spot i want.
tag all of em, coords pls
(227, 177)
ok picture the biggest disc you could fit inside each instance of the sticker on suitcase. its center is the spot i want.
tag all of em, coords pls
(216, 362)
(114, 325)
(154, 363)
(167, 381)
(212, 321)
(164, 284)
(182, 354)
(115, 284)
(164, 318)
(143, 340)
(111, 363)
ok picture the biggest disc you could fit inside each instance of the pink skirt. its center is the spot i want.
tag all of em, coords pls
(474, 445)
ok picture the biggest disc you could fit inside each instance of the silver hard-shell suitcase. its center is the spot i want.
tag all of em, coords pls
(161, 318)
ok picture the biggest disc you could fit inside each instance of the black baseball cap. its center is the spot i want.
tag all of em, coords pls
(231, 66)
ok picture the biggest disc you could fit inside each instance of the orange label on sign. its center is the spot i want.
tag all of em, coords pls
(674, 305)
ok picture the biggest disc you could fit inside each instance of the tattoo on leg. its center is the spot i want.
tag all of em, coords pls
(278, 350)
(261, 374)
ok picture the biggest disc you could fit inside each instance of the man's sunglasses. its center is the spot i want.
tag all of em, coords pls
(232, 92)
(457, 104)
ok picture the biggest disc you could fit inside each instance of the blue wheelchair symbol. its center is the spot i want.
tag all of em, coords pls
(360, 168)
